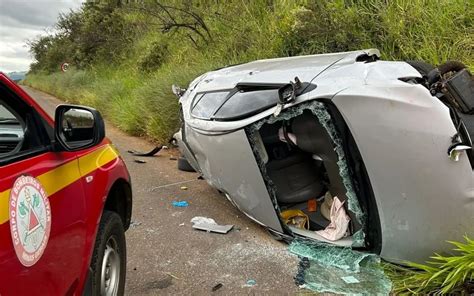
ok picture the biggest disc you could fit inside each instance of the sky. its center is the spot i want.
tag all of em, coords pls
(22, 20)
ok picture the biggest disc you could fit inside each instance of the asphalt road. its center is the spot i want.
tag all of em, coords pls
(166, 256)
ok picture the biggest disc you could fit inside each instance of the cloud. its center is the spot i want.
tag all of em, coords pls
(22, 20)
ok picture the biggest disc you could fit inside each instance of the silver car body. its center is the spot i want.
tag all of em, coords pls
(423, 198)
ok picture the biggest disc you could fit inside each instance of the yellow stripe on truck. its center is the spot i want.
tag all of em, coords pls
(66, 174)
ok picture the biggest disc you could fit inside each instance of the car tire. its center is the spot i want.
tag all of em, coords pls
(422, 67)
(108, 264)
(183, 165)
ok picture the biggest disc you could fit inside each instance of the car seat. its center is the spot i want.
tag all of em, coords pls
(297, 178)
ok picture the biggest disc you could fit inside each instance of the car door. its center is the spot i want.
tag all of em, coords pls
(42, 209)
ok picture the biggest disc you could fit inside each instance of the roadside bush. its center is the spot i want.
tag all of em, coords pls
(402, 30)
(155, 57)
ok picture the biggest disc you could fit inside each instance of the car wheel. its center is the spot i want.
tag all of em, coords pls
(108, 264)
(183, 165)
(422, 67)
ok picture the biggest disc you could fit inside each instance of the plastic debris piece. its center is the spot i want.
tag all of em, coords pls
(350, 279)
(139, 161)
(327, 268)
(217, 287)
(134, 224)
(146, 154)
(312, 205)
(180, 204)
(184, 188)
(296, 218)
(181, 224)
(251, 283)
(224, 229)
(202, 220)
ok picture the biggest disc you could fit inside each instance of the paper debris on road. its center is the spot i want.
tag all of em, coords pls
(202, 220)
(209, 225)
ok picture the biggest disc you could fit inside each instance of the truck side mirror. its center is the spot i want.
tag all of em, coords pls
(78, 127)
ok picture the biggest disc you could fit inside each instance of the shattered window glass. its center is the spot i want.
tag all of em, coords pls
(327, 268)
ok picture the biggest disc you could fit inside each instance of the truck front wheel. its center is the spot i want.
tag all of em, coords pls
(108, 263)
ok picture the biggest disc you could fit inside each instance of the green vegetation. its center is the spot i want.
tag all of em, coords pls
(445, 275)
(124, 55)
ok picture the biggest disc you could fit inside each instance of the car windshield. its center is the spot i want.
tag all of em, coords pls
(227, 105)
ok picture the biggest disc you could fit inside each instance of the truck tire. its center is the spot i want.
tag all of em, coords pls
(422, 67)
(108, 264)
(183, 165)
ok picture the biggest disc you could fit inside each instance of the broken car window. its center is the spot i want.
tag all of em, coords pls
(247, 103)
(208, 104)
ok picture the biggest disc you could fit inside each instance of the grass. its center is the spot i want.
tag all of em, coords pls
(452, 274)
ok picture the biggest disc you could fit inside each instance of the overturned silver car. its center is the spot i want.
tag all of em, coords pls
(342, 148)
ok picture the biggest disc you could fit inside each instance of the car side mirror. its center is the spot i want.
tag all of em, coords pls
(78, 127)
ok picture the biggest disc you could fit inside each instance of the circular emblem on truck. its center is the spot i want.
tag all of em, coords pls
(30, 219)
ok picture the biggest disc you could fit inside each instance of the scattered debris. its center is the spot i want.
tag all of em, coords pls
(251, 283)
(200, 178)
(296, 218)
(182, 224)
(217, 287)
(173, 157)
(203, 220)
(184, 188)
(134, 224)
(146, 154)
(139, 161)
(171, 275)
(209, 225)
(350, 279)
(164, 147)
(224, 229)
(180, 204)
